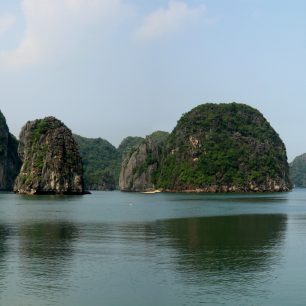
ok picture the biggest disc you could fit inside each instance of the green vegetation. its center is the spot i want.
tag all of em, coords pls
(3, 134)
(159, 137)
(298, 171)
(127, 145)
(40, 149)
(102, 161)
(41, 127)
(222, 144)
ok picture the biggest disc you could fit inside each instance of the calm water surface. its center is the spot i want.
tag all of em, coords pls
(113, 248)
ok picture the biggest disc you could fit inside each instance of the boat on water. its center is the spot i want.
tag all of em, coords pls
(151, 191)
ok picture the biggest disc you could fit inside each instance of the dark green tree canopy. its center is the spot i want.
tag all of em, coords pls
(224, 147)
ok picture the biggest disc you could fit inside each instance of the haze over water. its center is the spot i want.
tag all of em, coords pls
(113, 248)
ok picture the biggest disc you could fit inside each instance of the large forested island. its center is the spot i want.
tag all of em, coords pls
(213, 148)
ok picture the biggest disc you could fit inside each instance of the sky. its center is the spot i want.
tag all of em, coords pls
(118, 68)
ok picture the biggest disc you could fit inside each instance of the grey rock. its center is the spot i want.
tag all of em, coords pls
(9, 160)
(137, 172)
(51, 160)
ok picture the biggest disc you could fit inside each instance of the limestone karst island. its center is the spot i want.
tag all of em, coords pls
(51, 162)
(213, 148)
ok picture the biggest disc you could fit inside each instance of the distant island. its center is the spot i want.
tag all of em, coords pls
(213, 148)
(102, 161)
(298, 171)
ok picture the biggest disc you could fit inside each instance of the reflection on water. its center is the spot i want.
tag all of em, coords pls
(246, 241)
(229, 253)
(242, 243)
(235, 198)
(45, 251)
(4, 232)
(130, 250)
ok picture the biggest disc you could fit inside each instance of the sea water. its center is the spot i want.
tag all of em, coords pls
(117, 249)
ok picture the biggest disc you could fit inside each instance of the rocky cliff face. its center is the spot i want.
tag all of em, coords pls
(139, 166)
(9, 160)
(51, 161)
(298, 171)
(224, 148)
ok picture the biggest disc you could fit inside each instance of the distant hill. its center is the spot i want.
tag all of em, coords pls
(102, 161)
(298, 171)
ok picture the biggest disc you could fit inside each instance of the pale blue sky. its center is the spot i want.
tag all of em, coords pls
(114, 68)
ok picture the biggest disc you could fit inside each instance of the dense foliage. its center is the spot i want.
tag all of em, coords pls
(127, 145)
(222, 145)
(298, 171)
(102, 161)
(4, 130)
(39, 150)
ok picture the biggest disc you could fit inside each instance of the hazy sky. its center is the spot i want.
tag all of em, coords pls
(113, 68)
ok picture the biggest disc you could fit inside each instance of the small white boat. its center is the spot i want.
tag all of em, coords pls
(151, 191)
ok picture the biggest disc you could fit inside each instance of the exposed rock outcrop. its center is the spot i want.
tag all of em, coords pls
(51, 160)
(10, 162)
(224, 148)
(140, 164)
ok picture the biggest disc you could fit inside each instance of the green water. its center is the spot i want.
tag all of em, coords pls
(113, 248)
